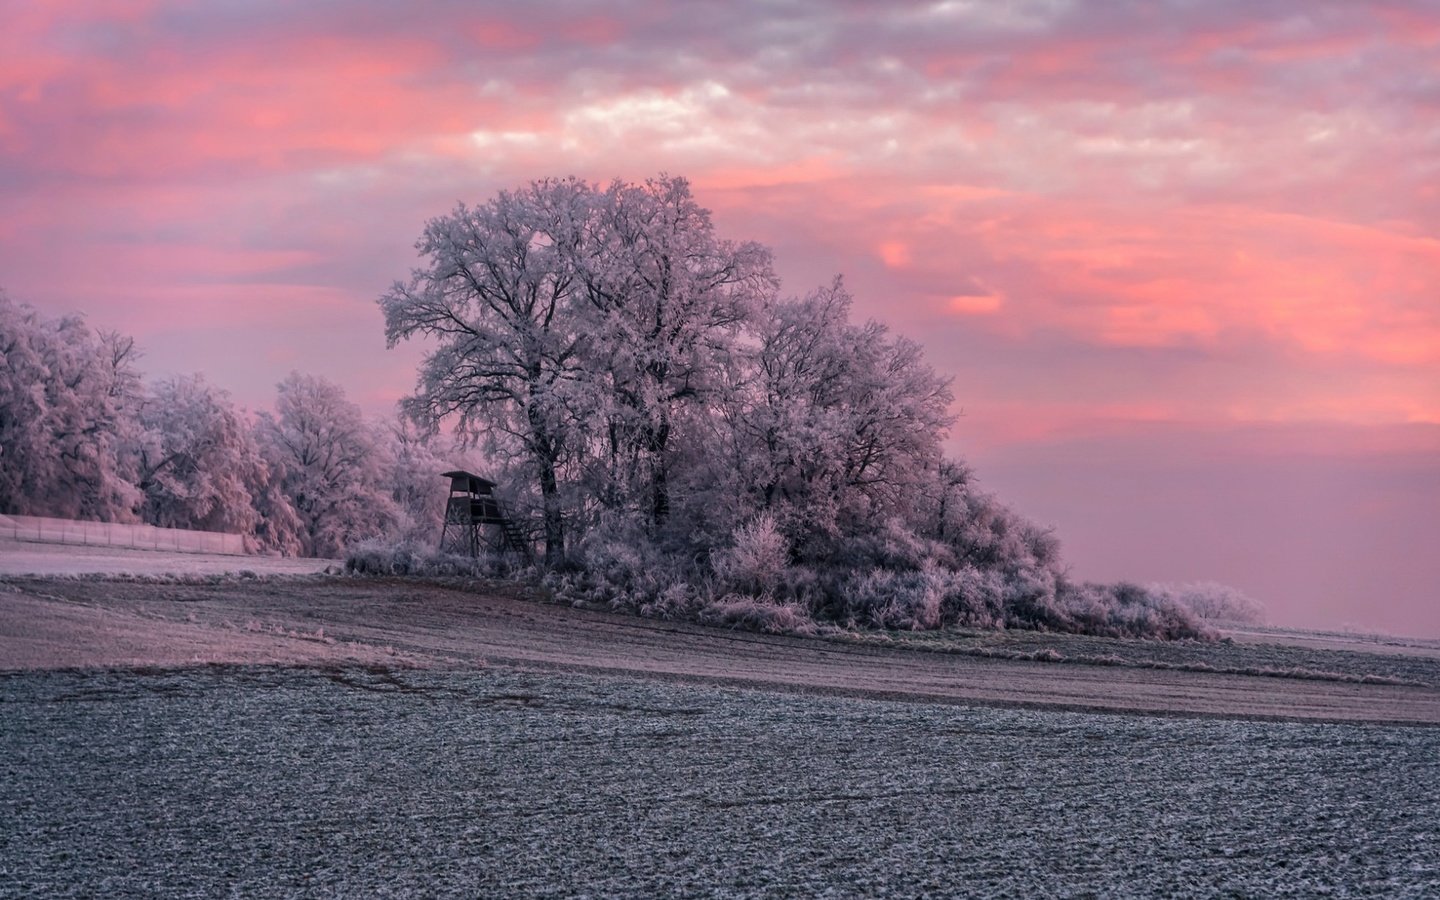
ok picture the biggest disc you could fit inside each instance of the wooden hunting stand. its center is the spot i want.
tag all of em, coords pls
(475, 519)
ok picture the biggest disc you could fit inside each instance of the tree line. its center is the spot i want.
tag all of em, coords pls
(680, 438)
(694, 443)
(83, 436)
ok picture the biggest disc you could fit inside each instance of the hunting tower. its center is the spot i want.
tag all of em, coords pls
(475, 519)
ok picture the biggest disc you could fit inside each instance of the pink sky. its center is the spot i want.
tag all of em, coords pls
(1183, 259)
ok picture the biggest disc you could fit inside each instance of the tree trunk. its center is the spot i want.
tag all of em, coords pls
(550, 498)
(658, 439)
(546, 453)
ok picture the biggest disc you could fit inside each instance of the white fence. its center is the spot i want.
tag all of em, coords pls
(110, 534)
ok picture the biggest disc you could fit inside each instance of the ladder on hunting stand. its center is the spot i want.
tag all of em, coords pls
(471, 509)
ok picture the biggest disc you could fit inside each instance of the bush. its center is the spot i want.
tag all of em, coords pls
(974, 598)
(1126, 610)
(907, 601)
(758, 559)
(758, 614)
(886, 578)
(1214, 602)
(378, 557)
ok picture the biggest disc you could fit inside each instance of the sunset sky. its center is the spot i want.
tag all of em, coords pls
(1183, 259)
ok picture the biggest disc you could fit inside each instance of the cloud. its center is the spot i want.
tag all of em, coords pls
(1103, 218)
(1212, 173)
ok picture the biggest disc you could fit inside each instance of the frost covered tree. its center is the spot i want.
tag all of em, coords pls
(574, 325)
(198, 464)
(68, 399)
(664, 299)
(831, 422)
(497, 299)
(328, 464)
(413, 462)
(1214, 602)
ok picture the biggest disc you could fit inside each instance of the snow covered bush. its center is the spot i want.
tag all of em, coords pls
(758, 614)
(975, 598)
(1125, 610)
(622, 568)
(1214, 602)
(381, 557)
(758, 559)
(908, 601)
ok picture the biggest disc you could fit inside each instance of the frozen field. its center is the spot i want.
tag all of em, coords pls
(374, 782)
(332, 736)
(86, 622)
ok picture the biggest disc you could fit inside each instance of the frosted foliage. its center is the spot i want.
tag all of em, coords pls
(328, 465)
(903, 600)
(1214, 602)
(413, 461)
(497, 301)
(199, 465)
(830, 423)
(81, 438)
(663, 301)
(758, 560)
(573, 328)
(278, 527)
(67, 408)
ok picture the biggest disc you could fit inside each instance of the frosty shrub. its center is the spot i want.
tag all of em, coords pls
(677, 600)
(1126, 610)
(880, 598)
(1214, 602)
(974, 598)
(894, 545)
(757, 561)
(758, 614)
(622, 568)
(379, 557)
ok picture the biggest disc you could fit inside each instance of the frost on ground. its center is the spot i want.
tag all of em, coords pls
(22, 558)
(94, 622)
(46, 632)
(369, 782)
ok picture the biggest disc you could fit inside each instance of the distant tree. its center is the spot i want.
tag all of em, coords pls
(328, 465)
(198, 464)
(414, 461)
(1214, 602)
(68, 399)
(496, 298)
(278, 527)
